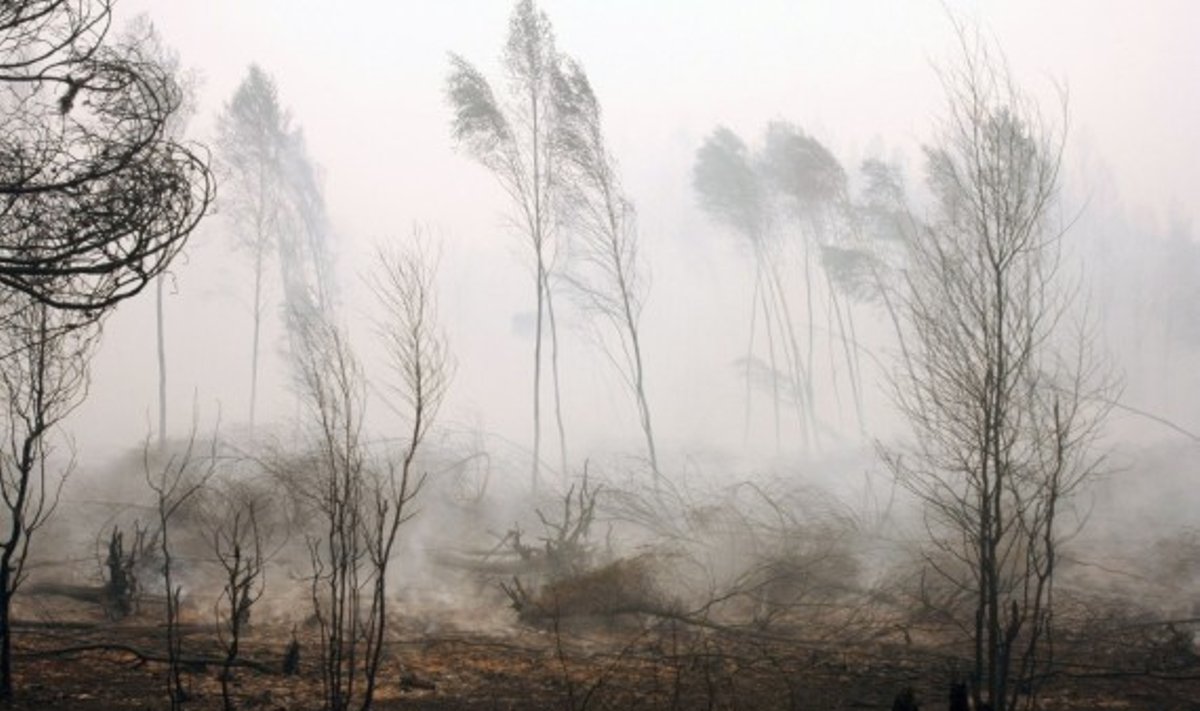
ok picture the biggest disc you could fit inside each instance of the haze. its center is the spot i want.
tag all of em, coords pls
(367, 86)
(642, 354)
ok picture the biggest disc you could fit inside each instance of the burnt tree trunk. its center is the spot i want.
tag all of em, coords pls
(6, 684)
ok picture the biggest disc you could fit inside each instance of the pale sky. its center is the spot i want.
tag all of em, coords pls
(850, 71)
(365, 79)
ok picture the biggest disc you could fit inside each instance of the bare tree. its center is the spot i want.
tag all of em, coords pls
(97, 197)
(1003, 404)
(174, 482)
(418, 356)
(43, 380)
(516, 141)
(605, 266)
(331, 383)
(360, 502)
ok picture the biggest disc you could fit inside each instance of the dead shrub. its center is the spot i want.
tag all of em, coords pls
(624, 586)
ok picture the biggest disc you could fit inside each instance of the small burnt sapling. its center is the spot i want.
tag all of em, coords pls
(174, 483)
(239, 535)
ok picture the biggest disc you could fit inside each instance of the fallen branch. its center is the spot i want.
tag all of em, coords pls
(144, 657)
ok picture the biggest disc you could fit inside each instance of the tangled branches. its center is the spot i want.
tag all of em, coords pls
(95, 198)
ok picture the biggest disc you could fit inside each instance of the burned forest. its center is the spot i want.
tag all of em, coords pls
(861, 368)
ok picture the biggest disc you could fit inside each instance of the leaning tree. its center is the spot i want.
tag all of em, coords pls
(729, 180)
(604, 264)
(814, 248)
(515, 139)
(277, 207)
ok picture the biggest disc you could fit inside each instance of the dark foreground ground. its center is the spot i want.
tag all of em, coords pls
(638, 664)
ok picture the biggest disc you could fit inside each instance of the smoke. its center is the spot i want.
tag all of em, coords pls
(757, 517)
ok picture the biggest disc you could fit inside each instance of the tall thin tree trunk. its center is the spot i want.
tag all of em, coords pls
(162, 366)
(537, 375)
(258, 276)
(832, 338)
(558, 418)
(812, 323)
(857, 358)
(774, 369)
(644, 407)
(847, 346)
(630, 319)
(6, 680)
(639, 379)
(798, 370)
(539, 247)
(750, 355)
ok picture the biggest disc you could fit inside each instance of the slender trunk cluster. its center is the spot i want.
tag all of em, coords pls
(796, 381)
(789, 202)
(332, 383)
(362, 504)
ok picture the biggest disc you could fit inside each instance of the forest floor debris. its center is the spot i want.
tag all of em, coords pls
(646, 663)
